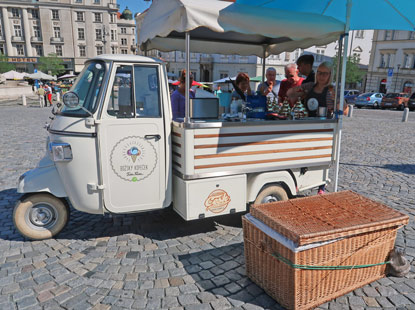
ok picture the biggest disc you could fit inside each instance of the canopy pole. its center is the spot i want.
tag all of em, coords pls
(343, 80)
(263, 63)
(339, 56)
(187, 104)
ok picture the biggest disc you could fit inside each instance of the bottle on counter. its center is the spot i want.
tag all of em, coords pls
(234, 107)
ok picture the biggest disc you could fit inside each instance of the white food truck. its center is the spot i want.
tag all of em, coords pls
(114, 148)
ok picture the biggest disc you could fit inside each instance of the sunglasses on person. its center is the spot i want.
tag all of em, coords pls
(324, 73)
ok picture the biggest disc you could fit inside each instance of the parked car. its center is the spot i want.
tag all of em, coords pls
(350, 96)
(411, 102)
(395, 101)
(372, 100)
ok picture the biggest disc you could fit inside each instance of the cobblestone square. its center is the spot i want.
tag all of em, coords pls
(159, 261)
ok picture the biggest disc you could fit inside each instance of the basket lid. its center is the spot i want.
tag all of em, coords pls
(326, 217)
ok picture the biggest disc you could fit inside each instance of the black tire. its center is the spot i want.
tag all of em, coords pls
(40, 216)
(359, 107)
(376, 105)
(271, 193)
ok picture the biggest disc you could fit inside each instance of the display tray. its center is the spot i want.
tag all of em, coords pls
(326, 246)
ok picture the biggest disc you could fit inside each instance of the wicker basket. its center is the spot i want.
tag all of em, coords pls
(366, 232)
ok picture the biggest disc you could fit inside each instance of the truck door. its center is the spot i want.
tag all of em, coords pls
(132, 140)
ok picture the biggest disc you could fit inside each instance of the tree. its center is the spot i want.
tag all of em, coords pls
(51, 64)
(353, 73)
(5, 66)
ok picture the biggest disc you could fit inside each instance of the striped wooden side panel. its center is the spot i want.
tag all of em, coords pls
(237, 148)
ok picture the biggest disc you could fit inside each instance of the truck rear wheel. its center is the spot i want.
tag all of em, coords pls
(271, 193)
(40, 216)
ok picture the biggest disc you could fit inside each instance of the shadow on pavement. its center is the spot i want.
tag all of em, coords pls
(221, 272)
(157, 225)
(403, 168)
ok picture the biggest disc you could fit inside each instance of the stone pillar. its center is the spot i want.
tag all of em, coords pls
(26, 26)
(7, 33)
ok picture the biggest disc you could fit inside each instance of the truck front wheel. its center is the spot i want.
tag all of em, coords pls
(40, 216)
(271, 193)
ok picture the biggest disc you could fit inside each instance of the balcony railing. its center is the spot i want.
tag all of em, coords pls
(56, 40)
(113, 6)
(36, 39)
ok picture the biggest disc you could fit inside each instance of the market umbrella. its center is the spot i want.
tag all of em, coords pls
(14, 75)
(66, 76)
(225, 80)
(193, 84)
(41, 76)
(390, 15)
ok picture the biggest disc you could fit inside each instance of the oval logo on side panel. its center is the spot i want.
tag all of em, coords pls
(133, 159)
(217, 201)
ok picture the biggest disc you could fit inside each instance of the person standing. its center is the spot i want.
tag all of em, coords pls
(41, 94)
(243, 88)
(305, 67)
(292, 80)
(49, 94)
(271, 86)
(178, 97)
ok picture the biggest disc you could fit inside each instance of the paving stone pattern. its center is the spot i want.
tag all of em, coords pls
(159, 261)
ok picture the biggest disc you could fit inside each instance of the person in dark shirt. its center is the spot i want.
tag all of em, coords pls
(305, 67)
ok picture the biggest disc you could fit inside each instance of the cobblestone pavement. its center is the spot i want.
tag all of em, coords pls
(158, 261)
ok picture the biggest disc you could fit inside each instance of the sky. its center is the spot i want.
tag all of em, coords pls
(134, 5)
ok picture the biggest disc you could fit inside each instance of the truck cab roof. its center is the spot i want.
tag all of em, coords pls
(126, 58)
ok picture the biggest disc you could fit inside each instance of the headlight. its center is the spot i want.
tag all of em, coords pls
(60, 151)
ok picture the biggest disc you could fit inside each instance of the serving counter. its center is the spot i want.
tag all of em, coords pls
(213, 148)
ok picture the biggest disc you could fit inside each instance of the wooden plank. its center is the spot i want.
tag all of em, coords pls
(260, 133)
(205, 146)
(263, 152)
(261, 161)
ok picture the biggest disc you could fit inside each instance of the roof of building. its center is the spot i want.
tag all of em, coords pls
(126, 58)
(127, 14)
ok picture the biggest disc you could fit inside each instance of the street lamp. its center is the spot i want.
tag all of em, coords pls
(104, 37)
(397, 74)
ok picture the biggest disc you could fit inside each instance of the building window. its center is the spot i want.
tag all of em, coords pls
(39, 50)
(2, 49)
(133, 30)
(382, 61)
(20, 49)
(57, 32)
(411, 35)
(287, 56)
(17, 30)
(113, 50)
(78, 1)
(389, 35)
(98, 34)
(36, 31)
(123, 41)
(123, 30)
(98, 17)
(360, 34)
(113, 35)
(133, 41)
(15, 12)
(124, 51)
(58, 49)
(79, 16)
(82, 51)
(223, 75)
(55, 14)
(1, 32)
(35, 14)
(81, 34)
(99, 50)
(320, 55)
(97, 1)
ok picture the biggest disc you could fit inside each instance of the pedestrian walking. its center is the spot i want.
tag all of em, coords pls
(41, 94)
(49, 94)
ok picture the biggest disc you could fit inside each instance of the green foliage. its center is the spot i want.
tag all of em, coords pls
(51, 64)
(353, 73)
(5, 66)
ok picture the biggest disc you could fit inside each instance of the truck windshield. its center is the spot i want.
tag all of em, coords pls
(87, 87)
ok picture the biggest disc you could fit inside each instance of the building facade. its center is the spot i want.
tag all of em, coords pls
(74, 30)
(392, 62)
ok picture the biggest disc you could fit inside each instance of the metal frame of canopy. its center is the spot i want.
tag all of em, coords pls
(266, 43)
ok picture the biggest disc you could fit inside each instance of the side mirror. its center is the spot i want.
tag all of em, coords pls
(71, 100)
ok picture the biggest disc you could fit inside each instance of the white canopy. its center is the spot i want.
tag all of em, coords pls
(41, 76)
(66, 76)
(14, 75)
(235, 28)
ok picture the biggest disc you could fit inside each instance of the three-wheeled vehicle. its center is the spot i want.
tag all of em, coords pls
(114, 148)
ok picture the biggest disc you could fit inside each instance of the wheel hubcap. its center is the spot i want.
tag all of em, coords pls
(270, 198)
(41, 216)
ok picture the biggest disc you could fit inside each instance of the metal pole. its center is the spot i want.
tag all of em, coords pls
(397, 74)
(187, 104)
(336, 90)
(343, 80)
(263, 63)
